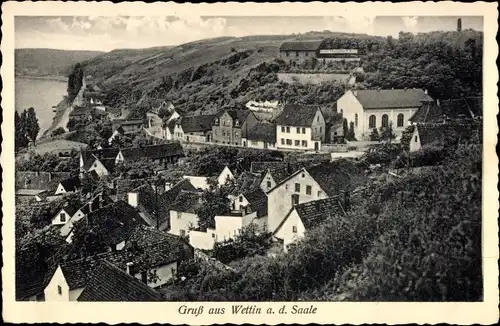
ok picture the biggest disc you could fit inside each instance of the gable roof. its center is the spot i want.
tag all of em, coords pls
(443, 134)
(297, 115)
(105, 153)
(337, 177)
(197, 123)
(311, 45)
(39, 180)
(240, 115)
(262, 132)
(312, 213)
(171, 125)
(71, 184)
(257, 201)
(186, 202)
(391, 98)
(98, 201)
(109, 283)
(70, 208)
(432, 112)
(153, 152)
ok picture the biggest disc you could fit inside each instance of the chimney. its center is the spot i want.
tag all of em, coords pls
(50, 176)
(425, 91)
(90, 206)
(168, 186)
(133, 199)
(437, 101)
(129, 265)
(347, 200)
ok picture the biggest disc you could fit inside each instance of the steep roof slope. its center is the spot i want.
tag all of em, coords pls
(297, 115)
(391, 98)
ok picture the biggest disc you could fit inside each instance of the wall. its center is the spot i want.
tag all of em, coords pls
(318, 127)
(415, 145)
(224, 176)
(239, 202)
(202, 240)
(198, 182)
(297, 55)
(227, 227)
(99, 168)
(293, 135)
(223, 131)
(186, 221)
(51, 293)
(286, 230)
(263, 183)
(60, 190)
(164, 273)
(178, 132)
(66, 228)
(258, 144)
(349, 105)
(393, 116)
(279, 200)
(314, 79)
(57, 218)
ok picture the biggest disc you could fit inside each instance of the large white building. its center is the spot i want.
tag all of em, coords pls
(369, 109)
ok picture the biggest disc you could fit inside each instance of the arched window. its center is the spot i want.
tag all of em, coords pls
(372, 122)
(356, 119)
(385, 121)
(401, 119)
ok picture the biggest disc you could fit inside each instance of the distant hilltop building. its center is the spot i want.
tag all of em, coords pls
(459, 25)
(302, 50)
(267, 106)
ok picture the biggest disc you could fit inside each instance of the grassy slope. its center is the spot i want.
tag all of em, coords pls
(45, 62)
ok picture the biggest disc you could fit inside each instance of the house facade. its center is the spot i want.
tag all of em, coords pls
(183, 215)
(68, 185)
(300, 127)
(59, 288)
(299, 50)
(300, 187)
(370, 109)
(196, 128)
(261, 136)
(231, 126)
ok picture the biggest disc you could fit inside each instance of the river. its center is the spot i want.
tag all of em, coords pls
(42, 95)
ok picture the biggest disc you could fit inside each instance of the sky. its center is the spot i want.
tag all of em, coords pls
(114, 32)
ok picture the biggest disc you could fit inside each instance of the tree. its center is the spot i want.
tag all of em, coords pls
(350, 134)
(374, 136)
(75, 81)
(215, 202)
(20, 131)
(387, 133)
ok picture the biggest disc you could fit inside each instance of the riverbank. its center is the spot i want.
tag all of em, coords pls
(50, 77)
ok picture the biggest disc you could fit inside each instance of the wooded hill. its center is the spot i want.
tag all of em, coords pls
(209, 74)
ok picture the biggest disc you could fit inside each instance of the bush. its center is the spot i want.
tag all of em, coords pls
(57, 132)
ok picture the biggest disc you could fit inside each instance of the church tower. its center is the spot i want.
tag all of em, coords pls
(459, 25)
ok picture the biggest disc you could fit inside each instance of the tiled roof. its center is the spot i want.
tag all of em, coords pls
(197, 123)
(257, 200)
(280, 174)
(71, 208)
(443, 134)
(71, 184)
(147, 204)
(79, 111)
(39, 180)
(297, 115)
(260, 167)
(109, 283)
(312, 45)
(336, 177)
(312, 213)
(465, 108)
(245, 181)
(105, 153)
(98, 201)
(186, 202)
(171, 125)
(262, 132)
(240, 115)
(30, 192)
(153, 152)
(391, 98)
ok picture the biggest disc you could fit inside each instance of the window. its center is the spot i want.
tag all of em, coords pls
(297, 143)
(401, 119)
(307, 54)
(372, 122)
(179, 215)
(236, 123)
(294, 229)
(416, 139)
(254, 142)
(297, 187)
(296, 53)
(286, 187)
(287, 54)
(308, 190)
(289, 142)
(385, 121)
(319, 193)
(236, 135)
(216, 132)
(317, 118)
(356, 119)
(282, 129)
(182, 233)
(304, 143)
(303, 175)
(295, 199)
(298, 130)
(241, 199)
(282, 141)
(288, 130)
(269, 185)
(62, 217)
(303, 130)
(95, 165)
(59, 290)
(320, 129)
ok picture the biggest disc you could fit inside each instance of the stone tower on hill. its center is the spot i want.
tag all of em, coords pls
(459, 25)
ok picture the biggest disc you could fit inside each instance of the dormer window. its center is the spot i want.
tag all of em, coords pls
(236, 123)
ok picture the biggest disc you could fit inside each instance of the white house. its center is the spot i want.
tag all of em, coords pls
(200, 182)
(304, 217)
(183, 215)
(65, 214)
(300, 127)
(69, 185)
(225, 176)
(305, 185)
(369, 109)
(195, 128)
(65, 284)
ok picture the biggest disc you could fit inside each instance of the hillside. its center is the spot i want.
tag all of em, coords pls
(209, 74)
(48, 62)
